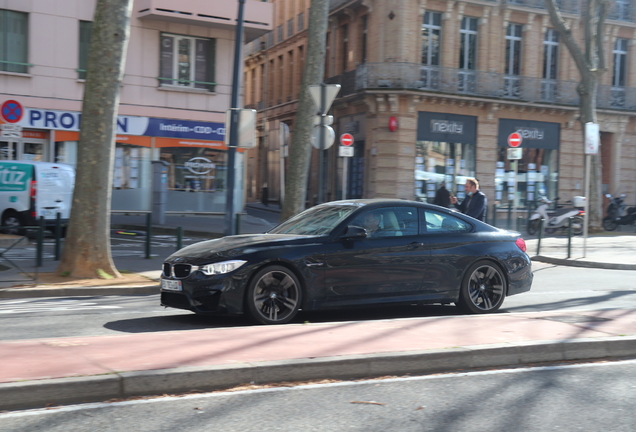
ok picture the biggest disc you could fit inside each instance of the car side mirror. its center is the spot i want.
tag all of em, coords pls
(355, 232)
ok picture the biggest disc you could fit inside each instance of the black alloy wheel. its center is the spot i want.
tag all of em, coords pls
(483, 289)
(274, 296)
(609, 224)
(533, 226)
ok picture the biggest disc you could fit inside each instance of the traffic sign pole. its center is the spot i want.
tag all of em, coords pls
(514, 141)
(321, 151)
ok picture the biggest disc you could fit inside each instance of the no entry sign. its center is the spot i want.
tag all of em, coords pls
(514, 139)
(346, 139)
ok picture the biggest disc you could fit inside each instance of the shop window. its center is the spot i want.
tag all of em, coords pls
(187, 62)
(437, 162)
(13, 41)
(132, 178)
(85, 28)
(537, 176)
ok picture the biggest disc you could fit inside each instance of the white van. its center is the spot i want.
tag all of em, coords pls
(29, 190)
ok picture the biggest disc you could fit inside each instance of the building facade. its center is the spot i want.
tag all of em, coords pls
(175, 93)
(432, 89)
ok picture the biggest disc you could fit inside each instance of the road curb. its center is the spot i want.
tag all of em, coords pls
(586, 264)
(13, 293)
(62, 391)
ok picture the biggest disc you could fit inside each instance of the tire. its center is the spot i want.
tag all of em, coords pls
(483, 289)
(274, 295)
(12, 220)
(533, 226)
(577, 225)
(609, 224)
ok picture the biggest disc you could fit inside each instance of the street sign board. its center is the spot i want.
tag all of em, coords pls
(345, 151)
(515, 153)
(346, 139)
(514, 139)
(591, 138)
(246, 127)
(331, 90)
(12, 111)
(329, 137)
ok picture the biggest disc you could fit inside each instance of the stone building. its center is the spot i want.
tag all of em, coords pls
(431, 91)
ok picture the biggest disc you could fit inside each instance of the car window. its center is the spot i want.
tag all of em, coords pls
(319, 220)
(388, 222)
(437, 223)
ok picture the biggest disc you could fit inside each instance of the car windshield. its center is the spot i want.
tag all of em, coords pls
(319, 220)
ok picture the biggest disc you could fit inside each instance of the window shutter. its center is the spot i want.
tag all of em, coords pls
(166, 60)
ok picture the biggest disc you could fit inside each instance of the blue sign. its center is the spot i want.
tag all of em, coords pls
(185, 129)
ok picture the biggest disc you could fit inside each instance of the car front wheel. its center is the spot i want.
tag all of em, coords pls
(483, 289)
(274, 296)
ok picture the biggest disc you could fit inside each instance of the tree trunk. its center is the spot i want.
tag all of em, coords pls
(87, 251)
(588, 89)
(300, 149)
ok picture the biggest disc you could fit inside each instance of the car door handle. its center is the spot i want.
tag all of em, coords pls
(414, 245)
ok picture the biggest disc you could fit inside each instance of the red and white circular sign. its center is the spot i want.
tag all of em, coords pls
(514, 139)
(346, 139)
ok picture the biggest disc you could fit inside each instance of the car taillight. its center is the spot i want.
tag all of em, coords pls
(581, 212)
(34, 189)
(521, 244)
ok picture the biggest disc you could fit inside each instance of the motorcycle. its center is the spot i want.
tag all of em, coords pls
(557, 219)
(617, 214)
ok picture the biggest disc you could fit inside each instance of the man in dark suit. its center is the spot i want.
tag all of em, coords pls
(442, 196)
(475, 202)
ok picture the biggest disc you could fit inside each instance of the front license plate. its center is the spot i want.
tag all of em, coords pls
(171, 285)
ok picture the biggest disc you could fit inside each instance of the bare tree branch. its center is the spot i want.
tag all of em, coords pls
(559, 24)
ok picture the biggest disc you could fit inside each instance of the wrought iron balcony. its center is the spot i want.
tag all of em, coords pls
(413, 76)
(467, 82)
(566, 6)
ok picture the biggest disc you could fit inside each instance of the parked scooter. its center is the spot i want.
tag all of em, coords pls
(557, 219)
(617, 214)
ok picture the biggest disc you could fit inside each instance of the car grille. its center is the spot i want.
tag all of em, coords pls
(175, 300)
(179, 271)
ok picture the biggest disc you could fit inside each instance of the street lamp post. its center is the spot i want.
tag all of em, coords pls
(230, 228)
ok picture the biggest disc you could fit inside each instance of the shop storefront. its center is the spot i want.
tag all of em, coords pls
(537, 173)
(444, 152)
(195, 151)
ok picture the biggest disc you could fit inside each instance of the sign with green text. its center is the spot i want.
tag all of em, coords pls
(14, 177)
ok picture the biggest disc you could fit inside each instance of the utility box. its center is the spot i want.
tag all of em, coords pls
(159, 191)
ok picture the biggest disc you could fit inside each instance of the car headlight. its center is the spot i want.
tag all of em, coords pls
(221, 267)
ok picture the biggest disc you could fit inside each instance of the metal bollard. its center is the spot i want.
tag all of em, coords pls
(519, 223)
(179, 238)
(148, 233)
(494, 215)
(509, 215)
(569, 236)
(58, 236)
(540, 235)
(39, 243)
(238, 223)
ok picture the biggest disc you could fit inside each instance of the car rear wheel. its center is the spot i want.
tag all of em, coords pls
(11, 220)
(274, 295)
(483, 289)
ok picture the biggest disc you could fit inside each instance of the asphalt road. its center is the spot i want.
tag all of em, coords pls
(554, 289)
(586, 397)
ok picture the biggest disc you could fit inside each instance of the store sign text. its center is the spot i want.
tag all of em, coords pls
(447, 126)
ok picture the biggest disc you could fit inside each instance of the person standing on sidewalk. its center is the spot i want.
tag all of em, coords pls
(475, 202)
(442, 196)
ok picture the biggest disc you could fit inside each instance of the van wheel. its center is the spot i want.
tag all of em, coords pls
(11, 220)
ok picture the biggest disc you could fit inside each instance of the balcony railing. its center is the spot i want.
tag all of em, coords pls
(567, 6)
(462, 81)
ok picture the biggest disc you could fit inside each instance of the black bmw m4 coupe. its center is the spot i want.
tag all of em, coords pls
(350, 253)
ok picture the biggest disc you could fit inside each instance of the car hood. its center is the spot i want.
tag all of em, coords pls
(232, 246)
